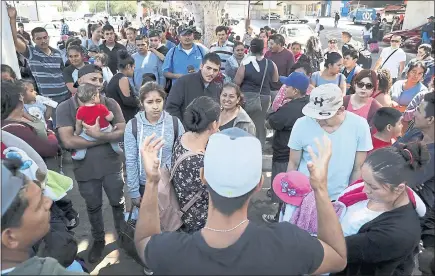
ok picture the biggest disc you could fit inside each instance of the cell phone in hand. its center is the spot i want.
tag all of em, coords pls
(190, 69)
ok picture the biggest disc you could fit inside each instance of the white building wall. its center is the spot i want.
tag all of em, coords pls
(335, 7)
(416, 13)
(8, 55)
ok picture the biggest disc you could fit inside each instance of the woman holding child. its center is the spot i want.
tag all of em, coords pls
(17, 122)
(153, 119)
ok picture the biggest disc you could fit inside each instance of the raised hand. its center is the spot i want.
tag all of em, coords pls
(12, 12)
(151, 163)
(318, 166)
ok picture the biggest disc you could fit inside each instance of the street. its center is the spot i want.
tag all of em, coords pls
(328, 32)
(116, 262)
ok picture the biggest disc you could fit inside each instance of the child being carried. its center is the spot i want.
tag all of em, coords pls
(88, 113)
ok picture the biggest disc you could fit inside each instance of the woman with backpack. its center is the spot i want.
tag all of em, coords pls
(314, 53)
(201, 120)
(151, 119)
(331, 73)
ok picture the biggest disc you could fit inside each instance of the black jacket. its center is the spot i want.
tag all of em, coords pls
(282, 121)
(113, 55)
(385, 245)
(186, 89)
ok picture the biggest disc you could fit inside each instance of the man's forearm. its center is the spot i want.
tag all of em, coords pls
(77, 142)
(378, 63)
(329, 228)
(356, 175)
(114, 136)
(148, 223)
(171, 75)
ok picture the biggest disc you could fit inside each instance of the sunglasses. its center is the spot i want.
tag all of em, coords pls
(395, 41)
(361, 85)
(332, 41)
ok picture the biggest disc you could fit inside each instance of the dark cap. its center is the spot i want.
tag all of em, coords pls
(430, 17)
(87, 69)
(154, 33)
(94, 48)
(186, 31)
(20, 24)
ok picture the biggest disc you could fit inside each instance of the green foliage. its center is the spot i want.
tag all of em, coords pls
(71, 5)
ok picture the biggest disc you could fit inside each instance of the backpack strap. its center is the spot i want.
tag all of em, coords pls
(175, 124)
(134, 127)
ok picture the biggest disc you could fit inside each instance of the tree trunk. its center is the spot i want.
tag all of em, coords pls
(196, 7)
(211, 20)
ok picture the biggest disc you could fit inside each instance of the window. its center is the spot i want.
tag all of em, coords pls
(300, 30)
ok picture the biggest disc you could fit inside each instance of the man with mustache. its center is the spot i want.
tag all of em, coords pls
(194, 85)
(45, 62)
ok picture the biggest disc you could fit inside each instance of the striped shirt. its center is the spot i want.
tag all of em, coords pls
(47, 71)
(225, 52)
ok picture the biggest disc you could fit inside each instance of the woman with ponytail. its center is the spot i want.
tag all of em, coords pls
(201, 120)
(120, 89)
(382, 227)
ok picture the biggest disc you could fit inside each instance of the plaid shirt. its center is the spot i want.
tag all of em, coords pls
(64, 30)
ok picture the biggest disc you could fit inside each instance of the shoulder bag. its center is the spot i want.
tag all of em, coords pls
(252, 99)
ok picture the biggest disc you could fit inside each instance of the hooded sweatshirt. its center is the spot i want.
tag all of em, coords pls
(164, 127)
(41, 266)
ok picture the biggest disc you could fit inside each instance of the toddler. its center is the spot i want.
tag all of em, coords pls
(101, 60)
(88, 113)
(38, 106)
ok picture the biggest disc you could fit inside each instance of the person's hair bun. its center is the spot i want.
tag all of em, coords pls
(123, 54)
(415, 154)
(200, 114)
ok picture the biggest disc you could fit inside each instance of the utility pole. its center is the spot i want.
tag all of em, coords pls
(268, 23)
(37, 11)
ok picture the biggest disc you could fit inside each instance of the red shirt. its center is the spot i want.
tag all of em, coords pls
(377, 144)
(89, 114)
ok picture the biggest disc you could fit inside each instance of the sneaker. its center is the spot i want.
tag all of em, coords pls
(147, 271)
(269, 218)
(269, 193)
(96, 251)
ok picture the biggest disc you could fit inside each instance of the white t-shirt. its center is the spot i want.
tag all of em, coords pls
(352, 136)
(394, 61)
(367, 32)
(317, 29)
(356, 216)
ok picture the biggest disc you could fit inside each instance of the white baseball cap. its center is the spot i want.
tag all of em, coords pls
(325, 101)
(233, 162)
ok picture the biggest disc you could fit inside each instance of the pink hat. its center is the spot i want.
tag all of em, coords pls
(291, 187)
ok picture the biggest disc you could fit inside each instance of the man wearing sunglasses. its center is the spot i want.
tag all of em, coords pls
(392, 58)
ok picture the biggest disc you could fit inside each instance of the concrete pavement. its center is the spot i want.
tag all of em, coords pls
(116, 262)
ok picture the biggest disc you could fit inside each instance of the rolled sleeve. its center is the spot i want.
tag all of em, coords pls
(167, 64)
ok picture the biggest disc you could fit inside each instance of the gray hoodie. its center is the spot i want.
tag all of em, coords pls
(244, 122)
(164, 127)
(42, 266)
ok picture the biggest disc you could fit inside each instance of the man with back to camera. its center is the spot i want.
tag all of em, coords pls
(229, 243)
(192, 86)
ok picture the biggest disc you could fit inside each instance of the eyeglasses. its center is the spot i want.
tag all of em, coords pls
(395, 41)
(332, 42)
(361, 85)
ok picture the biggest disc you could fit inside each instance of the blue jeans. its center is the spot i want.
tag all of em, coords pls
(366, 39)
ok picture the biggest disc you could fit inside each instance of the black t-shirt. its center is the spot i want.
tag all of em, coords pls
(281, 248)
(230, 124)
(163, 50)
(68, 73)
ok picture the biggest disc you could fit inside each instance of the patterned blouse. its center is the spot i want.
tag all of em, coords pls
(131, 48)
(187, 183)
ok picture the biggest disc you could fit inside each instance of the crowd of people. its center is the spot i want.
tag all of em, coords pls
(184, 126)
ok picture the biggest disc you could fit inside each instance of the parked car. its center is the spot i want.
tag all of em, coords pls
(272, 16)
(414, 42)
(293, 19)
(405, 34)
(23, 19)
(296, 32)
